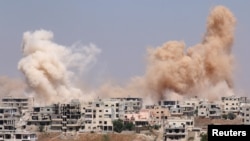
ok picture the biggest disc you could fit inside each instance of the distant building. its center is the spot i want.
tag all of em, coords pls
(139, 119)
(231, 104)
(176, 111)
(23, 103)
(245, 113)
(177, 128)
(209, 110)
(168, 103)
(158, 113)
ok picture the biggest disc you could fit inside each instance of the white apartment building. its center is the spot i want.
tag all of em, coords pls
(245, 113)
(193, 101)
(177, 128)
(168, 103)
(99, 114)
(176, 111)
(130, 104)
(142, 118)
(231, 104)
(209, 110)
(23, 103)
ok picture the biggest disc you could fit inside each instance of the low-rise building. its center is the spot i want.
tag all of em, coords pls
(176, 111)
(142, 118)
(158, 114)
(231, 104)
(245, 113)
(168, 103)
(177, 128)
(22, 103)
(209, 110)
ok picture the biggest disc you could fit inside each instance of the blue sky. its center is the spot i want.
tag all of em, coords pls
(122, 29)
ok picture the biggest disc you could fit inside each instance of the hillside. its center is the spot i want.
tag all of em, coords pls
(94, 137)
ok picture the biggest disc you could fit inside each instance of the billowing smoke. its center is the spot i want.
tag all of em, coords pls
(205, 69)
(49, 68)
(11, 87)
(206, 64)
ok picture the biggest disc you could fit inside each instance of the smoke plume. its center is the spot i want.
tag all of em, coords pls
(207, 66)
(49, 68)
(11, 87)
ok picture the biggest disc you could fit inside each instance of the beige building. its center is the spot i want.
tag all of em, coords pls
(177, 128)
(231, 104)
(245, 113)
(23, 103)
(158, 114)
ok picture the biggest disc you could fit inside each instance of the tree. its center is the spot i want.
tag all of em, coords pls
(129, 126)
(231, 116)
(203, 137)
(224, 116)
(118, 125)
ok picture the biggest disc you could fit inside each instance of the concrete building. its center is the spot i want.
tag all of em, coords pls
(158, 114)
(245, 113)
(40, 116)
(231, 104)
(131, 104)
(8, 118)
(176, 111)
(10, 128)
(142, 118)
(177, 128)
(18, 136)
(193, 101)
(23, 103)
(66, 117)
(99, 114)
(168, 103)
(187, 110)
(209, 110)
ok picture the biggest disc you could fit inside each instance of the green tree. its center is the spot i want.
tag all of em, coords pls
(224, 116)
(204, 137)
(231, 116)
(118, 125)
(129, 126)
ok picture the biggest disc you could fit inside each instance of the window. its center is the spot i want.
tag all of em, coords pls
(226, 103)
(105, 122)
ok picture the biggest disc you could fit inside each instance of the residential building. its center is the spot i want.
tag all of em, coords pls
(131, 104)
(158, 113)
(23, 103)
(168, 103)
(245, 113)
(177, 128)
(176, 111)
(209, 110)
(142, 118)
(231, 104)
